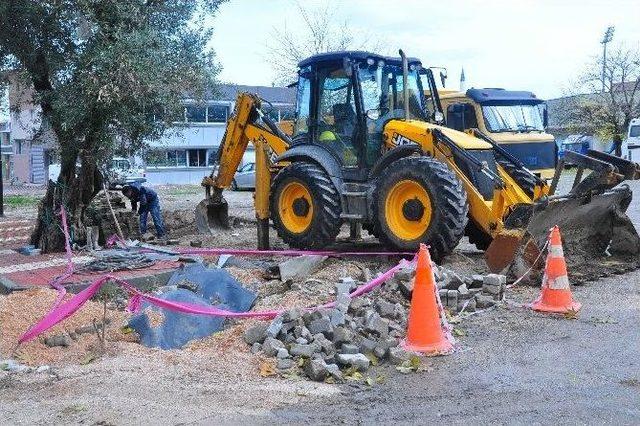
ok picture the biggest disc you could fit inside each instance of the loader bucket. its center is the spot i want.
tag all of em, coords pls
(212, 215)
(591, 227)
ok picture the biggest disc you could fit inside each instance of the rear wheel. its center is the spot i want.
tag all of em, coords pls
(419, 200)
(305, 206)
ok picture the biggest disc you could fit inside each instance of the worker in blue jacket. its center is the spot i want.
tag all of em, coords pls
(145, 200)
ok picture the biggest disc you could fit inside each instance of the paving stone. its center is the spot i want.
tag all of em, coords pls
(343, 301)
(349, 348)
(443, 296)
(291, 315)
(284, 363)
(374, 323)
(483, 301)
(271, 346)
(452, 299)
(274, 328)
(359, 361)
(342, 335)
(385, 308)
(283, 353)
(300, 267)
(321, 325)
(256, 333)
(256, 347)
(476, 281)
(494, 280)
(305, 351)
(463, 290)
(316, 369)
(301, 341)
(398, 355)
(334, 371)
(337, 318)
(367, 345)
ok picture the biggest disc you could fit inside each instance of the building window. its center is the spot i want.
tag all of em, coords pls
(197, 158)
(196, 114)
(217, 113)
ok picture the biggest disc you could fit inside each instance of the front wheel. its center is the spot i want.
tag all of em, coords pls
(305, 206)
(419, 200)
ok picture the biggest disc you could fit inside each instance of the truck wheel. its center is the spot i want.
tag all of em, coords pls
(305, 206)
(419, 200)
(522, 178)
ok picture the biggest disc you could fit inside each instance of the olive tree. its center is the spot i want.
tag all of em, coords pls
(103, 73)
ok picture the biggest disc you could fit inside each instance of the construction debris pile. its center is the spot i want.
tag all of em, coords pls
(358, 333)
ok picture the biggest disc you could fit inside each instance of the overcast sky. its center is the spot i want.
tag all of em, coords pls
(518, 44)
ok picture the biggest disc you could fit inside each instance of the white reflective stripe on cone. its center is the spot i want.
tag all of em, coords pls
(559, 283)
(556, 251)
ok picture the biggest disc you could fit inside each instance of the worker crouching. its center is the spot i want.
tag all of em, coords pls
(145, 200)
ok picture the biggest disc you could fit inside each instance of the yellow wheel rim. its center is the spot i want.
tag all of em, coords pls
(408, 210)
(295, 206)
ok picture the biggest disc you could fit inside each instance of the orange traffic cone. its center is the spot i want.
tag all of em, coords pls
(555, 295)
(424, 332)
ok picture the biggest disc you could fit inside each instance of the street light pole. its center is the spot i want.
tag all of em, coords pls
(608, 36)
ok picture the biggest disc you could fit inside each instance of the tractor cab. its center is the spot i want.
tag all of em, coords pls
(345, 99)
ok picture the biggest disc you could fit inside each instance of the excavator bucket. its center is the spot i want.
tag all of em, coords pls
(591, 228)
(212, 215)
(592, 218)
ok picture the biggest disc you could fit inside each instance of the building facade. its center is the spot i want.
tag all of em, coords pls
(184, 154)
(187, 151)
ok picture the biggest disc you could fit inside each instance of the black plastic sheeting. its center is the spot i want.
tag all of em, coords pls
(199, 285)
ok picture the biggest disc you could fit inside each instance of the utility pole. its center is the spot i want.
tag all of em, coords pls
(608, 36)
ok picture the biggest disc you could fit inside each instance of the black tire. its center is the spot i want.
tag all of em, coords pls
(325, 221)
(234, 185)
(522, 178)
(449, 207)
(478, 237)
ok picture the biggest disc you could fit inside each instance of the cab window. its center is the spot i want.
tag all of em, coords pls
(337, 120)
(461, 117)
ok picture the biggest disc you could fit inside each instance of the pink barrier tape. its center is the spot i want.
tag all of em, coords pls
(246, 252)
(65, 310)
(57, 282)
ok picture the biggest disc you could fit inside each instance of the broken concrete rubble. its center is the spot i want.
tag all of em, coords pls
(299, 267)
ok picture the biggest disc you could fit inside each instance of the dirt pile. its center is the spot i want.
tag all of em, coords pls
(72, 341)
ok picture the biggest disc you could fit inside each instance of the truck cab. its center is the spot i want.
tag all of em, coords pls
(514, 119)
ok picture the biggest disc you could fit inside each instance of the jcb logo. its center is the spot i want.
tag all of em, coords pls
(398, 139)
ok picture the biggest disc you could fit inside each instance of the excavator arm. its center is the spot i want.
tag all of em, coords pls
(247, 124)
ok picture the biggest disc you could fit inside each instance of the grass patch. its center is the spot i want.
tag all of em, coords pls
(183, 190)
(21, 200)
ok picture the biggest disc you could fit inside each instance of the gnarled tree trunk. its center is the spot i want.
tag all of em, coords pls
(73, 191)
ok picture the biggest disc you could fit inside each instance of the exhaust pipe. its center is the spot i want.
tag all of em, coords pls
(405, 80)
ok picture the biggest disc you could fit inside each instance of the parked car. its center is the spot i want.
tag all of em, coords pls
(245, 177)
(122, 172)
(577, 143)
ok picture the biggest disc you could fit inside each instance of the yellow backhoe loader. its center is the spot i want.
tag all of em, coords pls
(370, 149)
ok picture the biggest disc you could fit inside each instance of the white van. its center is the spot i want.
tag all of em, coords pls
(633, 139)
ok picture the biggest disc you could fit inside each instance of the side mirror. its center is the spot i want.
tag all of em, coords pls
(545, 117)
(443, 78)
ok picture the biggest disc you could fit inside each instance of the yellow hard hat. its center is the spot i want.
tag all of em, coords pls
(326, 136)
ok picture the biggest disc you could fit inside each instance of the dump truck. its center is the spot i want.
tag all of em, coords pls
(514, 119)
(369, 149)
